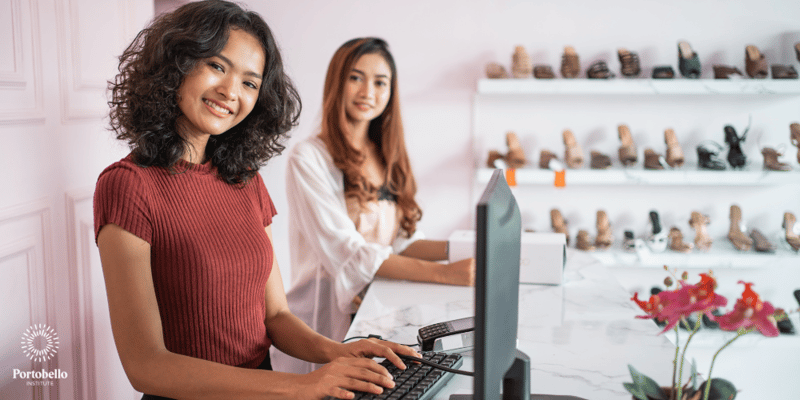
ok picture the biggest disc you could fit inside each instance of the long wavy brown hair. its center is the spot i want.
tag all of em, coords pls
(385, 131)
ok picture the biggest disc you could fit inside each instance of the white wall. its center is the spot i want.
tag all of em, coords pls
(441, 48)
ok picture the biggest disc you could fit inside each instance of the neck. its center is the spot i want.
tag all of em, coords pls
(358, 134)
(196, 150)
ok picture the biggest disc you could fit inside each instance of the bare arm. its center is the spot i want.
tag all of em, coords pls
(413, 269)
(430, 250)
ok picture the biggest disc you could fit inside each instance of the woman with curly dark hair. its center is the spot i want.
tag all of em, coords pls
(351, 196)
(183, 223)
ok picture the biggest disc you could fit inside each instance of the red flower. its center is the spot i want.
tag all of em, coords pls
(655, 306)
(672, 306)
(748, 312)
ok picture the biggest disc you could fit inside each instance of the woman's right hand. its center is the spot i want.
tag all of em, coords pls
(340, 377)
(461, 272)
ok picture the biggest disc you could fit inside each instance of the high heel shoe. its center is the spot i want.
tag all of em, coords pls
(558, 223)
(583, 241)
(674, 151)
(570, 63)
(515, 158)
(688, 62)
(708, 156)
(599, 160)
(657, 242)
(794, 136)
(653, 160)
(628, 241)
(627, 152)
(629, 62)
(702, 241)
(735, 233)
(547, 160)
(760, 242)
(676, 242)
(604, 237)
(755, 64)
(736, 157)
(573, 154)
(771, 161)
(521, 66)
(791, 237)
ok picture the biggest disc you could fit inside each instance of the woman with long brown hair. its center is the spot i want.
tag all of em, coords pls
(351, 196)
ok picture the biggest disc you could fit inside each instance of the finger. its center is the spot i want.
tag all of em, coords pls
(358, 385)
(383, 350)
(358, 367)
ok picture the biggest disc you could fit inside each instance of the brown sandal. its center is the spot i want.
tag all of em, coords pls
(771, 160)
(676, 242)
(515, 158)
(545, 157)
(760, 242)
(755, 62)
(725, 72)
(521, 63)
(788, 224)
(543, 72)
(599, 160)
(653, 160)
(570, 64)
(627, 152)
(599, 70)
(674, 151)
(496, 71)
(629, 61)
(583, 241)
(573, 154)
(702, 241)
(783, 72)
(604, 237)
(558, 223)
(794, 136)
(741, 241)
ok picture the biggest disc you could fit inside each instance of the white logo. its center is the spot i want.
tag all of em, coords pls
(40, 342)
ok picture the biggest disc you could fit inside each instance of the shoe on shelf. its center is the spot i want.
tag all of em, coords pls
(583, 241)
(496, 71)
(599, 160)
(663, 72)
(570, 63)
(521, 63)
(599, 70)
(771, 160)
(760, 242)
(627, 152)
(494, 156)
(736, 231)
(558, 223)
(604, 237)
(755, 64)
(688, 61)
(653, 160)
(698, 221)
(794, 137)
(543, 72)
(629, 61)
(628, 241)
(676, 242)
(573, 154)
(797, 50)
(515, 158)
(780, 71)
(726, 72)
(708, 156)
(546, 158)
(736, 157)
(674, 151)
(657, 242)
(791, 237)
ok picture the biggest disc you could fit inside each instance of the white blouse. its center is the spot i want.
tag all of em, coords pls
(332, 261)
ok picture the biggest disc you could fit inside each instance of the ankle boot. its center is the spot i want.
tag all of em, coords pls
(515, 158)
(627, 152)
(736, 156)
(701, 239)
(708, 156)
(676, 242)
(599, 160)
(573, 154)
(791, 237)
(657, 242)
(558, 223)
(795, 137)
(653, 160)
(583, 241)
(674, 151)
(735, 233)
(760, 242)
(604, 237)
(771, 160)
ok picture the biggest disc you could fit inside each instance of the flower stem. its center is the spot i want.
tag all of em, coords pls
(683, 355)
(675, 361)
(708, 378)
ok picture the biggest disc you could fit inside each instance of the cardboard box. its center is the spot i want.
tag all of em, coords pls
(542, 255)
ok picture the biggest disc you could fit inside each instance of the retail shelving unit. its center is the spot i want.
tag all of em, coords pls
(545, 107)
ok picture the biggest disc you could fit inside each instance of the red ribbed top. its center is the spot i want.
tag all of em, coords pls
(210, 256)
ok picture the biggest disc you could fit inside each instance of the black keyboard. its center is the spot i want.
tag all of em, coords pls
(417, 381)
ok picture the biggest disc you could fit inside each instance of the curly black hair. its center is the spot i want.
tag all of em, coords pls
(144, 95)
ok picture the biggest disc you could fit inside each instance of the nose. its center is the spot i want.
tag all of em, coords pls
(227, 88)
(366, 90)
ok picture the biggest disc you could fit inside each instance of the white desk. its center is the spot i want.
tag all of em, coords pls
(580, 336)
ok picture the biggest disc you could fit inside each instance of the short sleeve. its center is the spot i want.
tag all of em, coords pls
(268, 209)
(121, 198)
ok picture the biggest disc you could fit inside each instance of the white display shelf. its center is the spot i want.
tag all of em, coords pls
(677, 86)
(687, 176)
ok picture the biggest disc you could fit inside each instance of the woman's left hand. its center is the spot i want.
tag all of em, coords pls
(373, 347)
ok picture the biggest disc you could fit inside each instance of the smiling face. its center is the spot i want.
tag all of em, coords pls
(368, 89)
(221, 90)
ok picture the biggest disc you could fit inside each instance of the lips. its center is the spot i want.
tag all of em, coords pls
(217, 107)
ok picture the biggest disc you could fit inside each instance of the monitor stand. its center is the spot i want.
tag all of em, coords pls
(517, 383)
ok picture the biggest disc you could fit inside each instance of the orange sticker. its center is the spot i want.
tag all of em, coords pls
(511, 177)
(561, 178)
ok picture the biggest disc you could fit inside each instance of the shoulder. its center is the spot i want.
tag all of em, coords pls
(122, 172)
(312, 149)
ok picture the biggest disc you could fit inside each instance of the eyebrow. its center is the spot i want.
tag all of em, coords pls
(248, 73)
(377, 76)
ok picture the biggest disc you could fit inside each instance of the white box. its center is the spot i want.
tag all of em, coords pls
(542, 255)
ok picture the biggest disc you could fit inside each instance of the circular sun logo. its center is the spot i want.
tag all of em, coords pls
(40, 342)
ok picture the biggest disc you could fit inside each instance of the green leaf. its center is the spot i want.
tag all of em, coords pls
(647, 385)
(635, 391)
(721, 389)
(693, 378)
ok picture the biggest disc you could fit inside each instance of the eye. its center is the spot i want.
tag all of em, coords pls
(216, 66)
(382, 83)
(251, 85)
(355, 78)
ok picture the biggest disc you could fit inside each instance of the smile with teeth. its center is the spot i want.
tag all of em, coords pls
(216, 107)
